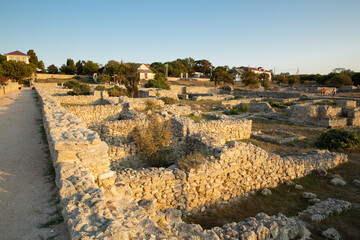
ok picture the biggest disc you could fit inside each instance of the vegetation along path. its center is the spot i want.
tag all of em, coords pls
(28, 196)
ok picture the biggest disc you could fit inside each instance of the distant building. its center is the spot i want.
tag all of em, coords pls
(18, 57)
(238, 72)
(145, 72)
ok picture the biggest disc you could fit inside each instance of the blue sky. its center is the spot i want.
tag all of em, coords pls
(315, 36)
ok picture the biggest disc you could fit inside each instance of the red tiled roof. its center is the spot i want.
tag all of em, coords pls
(260, 70)
(18, 53)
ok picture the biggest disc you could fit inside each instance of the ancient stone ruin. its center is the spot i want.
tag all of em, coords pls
(108, 192)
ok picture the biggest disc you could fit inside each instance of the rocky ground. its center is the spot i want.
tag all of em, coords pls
(28, 198)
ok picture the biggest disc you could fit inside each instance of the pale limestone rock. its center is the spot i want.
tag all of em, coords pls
(331, 233)
(337, 181)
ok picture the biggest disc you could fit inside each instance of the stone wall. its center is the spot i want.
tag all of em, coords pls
(236, 169)
(9, 87)
(96, 113)
(269, 94)
(57, 76)
(78, 100)
(155, 92)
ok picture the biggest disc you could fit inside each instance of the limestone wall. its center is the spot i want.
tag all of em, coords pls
(78, 100)
(96, 113)
(58, 76)
(154, 92)
(269, 94)
(237, 169)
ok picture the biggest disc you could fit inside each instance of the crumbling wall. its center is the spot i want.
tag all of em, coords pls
(235, 170)
(96, 113)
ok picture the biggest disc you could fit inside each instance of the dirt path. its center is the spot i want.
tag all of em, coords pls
(27, 197)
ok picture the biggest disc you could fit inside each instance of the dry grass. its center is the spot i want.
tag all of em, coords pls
(286, 199)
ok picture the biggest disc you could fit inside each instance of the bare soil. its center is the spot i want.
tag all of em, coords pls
(29, 206)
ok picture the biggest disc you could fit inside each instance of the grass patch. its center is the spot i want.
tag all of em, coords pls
(201, 118)
(240, 109)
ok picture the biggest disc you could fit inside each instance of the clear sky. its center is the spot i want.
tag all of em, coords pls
(315, 36)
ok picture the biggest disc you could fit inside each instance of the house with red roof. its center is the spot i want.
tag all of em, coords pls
(145, 72)
(18, 57)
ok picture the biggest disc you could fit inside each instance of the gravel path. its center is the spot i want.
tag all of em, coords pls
(26, 195)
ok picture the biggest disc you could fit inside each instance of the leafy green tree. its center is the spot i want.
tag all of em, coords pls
(113, 67)
(2, 58)
(158, 67)
(131, 78)
(160, 81)
(52, 69)
(69, 68)
(282, 78)
(293, 79)
(104, 78)
(249, 78)
(220, 74)
(356, 79)
(17, 70)
(80, 67)
(41, 66)
(90, 68)
(339, 80)
(203, 66)
(33, 58)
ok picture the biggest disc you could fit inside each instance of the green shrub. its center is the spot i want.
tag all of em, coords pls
(151, 105)
(238, 97)
(338, 139)
(192, 160)
(77, 77)
(117, 91)
(100, 88)
(240, 109)
(152, 140)
(160, 81)
(83, 89)
(72, 84)
(104, 78)
(168, 100)
(276, 104)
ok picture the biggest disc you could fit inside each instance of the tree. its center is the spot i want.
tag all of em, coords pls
(160, 81)
(113, 67)
(69, 68)
(52, 69)
(90, 68)
(293, 79)
(33, 58)
(41, 66)
(221, 75)
(249, 78)
(104, 78)
(203, 66)
(131, 78)
(339, 80)
(17, 70)
(2, 58)
(356, 79)
(281, 78)
(80, 67)
(158, 67)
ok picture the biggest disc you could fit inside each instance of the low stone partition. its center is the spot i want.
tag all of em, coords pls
(220, 130)
(78, 100)
(9, 87)
(212, 97)
(96, 113)
(236, 169)
(269, 94)
(155, 92)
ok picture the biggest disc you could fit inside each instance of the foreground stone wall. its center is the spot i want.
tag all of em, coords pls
(237, 169)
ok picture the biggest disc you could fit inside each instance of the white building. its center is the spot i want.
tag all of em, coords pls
(238, 72)
(145, 72)
(18, 57)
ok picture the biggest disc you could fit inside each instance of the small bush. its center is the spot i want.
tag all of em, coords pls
(168, 100)
(72, 84)
(276, 104)
(192, 160)
(104, 78)
(117, 91)
(152, 139)
(338, 139)
(238, 97)
(83, 89)
(77, 77)
(240, 109)
(151, 105)
(160, 81)
(100, 88)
